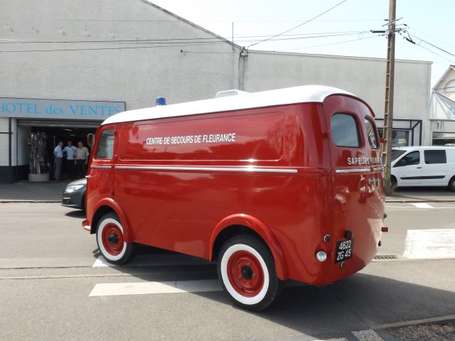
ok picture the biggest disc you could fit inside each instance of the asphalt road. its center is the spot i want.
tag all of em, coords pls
(53, 286)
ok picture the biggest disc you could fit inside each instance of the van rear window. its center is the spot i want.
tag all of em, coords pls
(344, 131)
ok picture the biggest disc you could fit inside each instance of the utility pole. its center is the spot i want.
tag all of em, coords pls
(389, 87)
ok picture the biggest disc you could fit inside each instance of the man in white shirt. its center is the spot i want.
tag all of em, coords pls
(58, 157)
(81, 159)
(70, 152)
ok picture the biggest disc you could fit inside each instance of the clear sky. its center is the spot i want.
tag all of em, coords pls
(433, 21)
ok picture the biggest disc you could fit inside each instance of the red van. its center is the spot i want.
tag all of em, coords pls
(276, 185)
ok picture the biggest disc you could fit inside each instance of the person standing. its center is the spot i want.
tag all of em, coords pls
(70, 152)
(81, 159)
(58, 158)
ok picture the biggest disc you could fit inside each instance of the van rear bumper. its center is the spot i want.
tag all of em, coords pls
(319, 273)
(332, 271)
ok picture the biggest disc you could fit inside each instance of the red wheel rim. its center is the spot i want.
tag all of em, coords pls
(112, 238)
(245, 273)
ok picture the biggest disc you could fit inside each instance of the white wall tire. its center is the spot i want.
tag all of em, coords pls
(110, 240)
(247, 273)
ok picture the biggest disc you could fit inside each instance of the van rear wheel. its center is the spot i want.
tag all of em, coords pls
(110, 240)
(246, 272)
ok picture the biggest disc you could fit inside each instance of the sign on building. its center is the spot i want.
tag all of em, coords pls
(60, 109)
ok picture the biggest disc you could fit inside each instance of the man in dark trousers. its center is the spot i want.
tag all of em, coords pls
(58, 159)
(70, 152)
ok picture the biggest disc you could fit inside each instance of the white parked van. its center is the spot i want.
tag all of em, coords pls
(423, 166)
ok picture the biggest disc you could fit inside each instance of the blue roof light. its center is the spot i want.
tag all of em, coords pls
(160, 101)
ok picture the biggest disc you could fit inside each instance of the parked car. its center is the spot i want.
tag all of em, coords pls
(74, 194)
(276, 185)
(423, 166)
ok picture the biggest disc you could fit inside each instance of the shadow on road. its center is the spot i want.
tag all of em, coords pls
(360, 302)
(76, 214)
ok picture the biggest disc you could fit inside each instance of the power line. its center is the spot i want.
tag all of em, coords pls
(341, 42)
(214, 19)
(151, 44)
(317, 36)
(435, 46)
(435, 53)
(179, 40)
(408, 37)
(299, 25)
(90, 48)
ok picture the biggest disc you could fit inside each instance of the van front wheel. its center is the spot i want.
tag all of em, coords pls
(110, 240)
(452, 184)
(393, 183)
(246, 272)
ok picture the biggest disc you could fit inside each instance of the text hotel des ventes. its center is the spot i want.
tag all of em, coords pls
(191, 139)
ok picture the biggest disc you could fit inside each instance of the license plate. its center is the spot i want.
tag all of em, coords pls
(344, 250)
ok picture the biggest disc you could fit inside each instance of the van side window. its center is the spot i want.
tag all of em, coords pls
(413, 158)
(105, 148)
(371, 133)
(435, 156)
(344, 131)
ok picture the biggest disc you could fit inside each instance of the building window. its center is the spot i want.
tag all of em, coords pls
(105, 148)
(344, 131)
(435, 156)
(400, 137)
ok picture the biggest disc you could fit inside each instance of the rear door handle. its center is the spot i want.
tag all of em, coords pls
(419, 167)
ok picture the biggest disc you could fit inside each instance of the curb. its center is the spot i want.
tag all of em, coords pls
(19, 201)
(403, 201)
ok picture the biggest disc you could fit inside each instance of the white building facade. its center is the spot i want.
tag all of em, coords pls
(443, 109)
(67, 65)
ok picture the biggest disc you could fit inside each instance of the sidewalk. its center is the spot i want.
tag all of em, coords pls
(25, 191)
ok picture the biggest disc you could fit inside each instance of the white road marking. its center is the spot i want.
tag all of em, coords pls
(150, 288)
(100, 263)
(367, 335)
(430, 244)
(422, 205)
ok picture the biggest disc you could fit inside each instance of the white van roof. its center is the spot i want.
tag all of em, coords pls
(243, 100)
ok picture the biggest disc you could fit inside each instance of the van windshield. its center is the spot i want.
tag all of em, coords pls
(396, 153)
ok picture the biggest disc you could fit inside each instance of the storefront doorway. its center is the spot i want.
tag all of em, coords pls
(52, 133)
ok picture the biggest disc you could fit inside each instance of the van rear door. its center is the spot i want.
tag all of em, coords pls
(357, 192)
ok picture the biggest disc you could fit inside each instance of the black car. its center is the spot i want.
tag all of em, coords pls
(74, 194)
